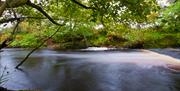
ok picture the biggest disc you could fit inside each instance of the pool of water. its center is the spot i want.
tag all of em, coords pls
(52, 70)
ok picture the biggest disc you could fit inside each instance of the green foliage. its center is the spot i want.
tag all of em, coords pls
(123, 11)
(26, 40)
(113, 36)
(152, 39)
(82, 36)
(142, 38)
(115, 15)
(170, 20)
(74, 37)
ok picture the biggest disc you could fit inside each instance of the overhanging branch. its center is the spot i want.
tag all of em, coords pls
(82, 5)
(42, 11)
(17, 3)
(19, 18)
(11, 4)
(5, 43)
(29, 54)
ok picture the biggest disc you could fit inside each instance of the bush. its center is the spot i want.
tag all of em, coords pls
(170, 19)
(26, 40)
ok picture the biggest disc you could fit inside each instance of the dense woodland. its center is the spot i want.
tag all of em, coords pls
(84, 23)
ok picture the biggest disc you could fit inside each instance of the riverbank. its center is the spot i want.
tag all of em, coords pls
(116, 38)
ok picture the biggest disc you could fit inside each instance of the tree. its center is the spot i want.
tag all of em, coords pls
(72, 12)
(119, 10)
(170, 18)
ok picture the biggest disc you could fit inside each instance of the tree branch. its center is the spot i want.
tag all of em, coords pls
(11, 4)
(16, 3)
(2, 8)
(10, 38)
(29, 54)
(18, 18)
(42, 11)
(82, 5)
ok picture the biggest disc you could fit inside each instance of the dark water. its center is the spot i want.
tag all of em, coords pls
(49, 70)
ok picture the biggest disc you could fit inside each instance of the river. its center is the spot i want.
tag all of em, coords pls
(53, 70)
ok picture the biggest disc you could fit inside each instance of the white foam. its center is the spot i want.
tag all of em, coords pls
(97, 49)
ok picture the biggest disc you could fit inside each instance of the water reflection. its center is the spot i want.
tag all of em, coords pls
(49, 70)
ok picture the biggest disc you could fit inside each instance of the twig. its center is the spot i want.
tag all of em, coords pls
(29, 3)
(29, 54)
(20, 19)
(10, 38)
(82, 5)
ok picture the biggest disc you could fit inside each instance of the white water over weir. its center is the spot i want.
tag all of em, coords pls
(98, 49)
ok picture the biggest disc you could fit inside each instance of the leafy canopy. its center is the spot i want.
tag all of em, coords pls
(170, 18)
(105, 11)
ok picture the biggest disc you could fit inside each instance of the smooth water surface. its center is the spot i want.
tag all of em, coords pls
(50, 70)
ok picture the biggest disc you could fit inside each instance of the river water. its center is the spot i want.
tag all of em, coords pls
(52, 70)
